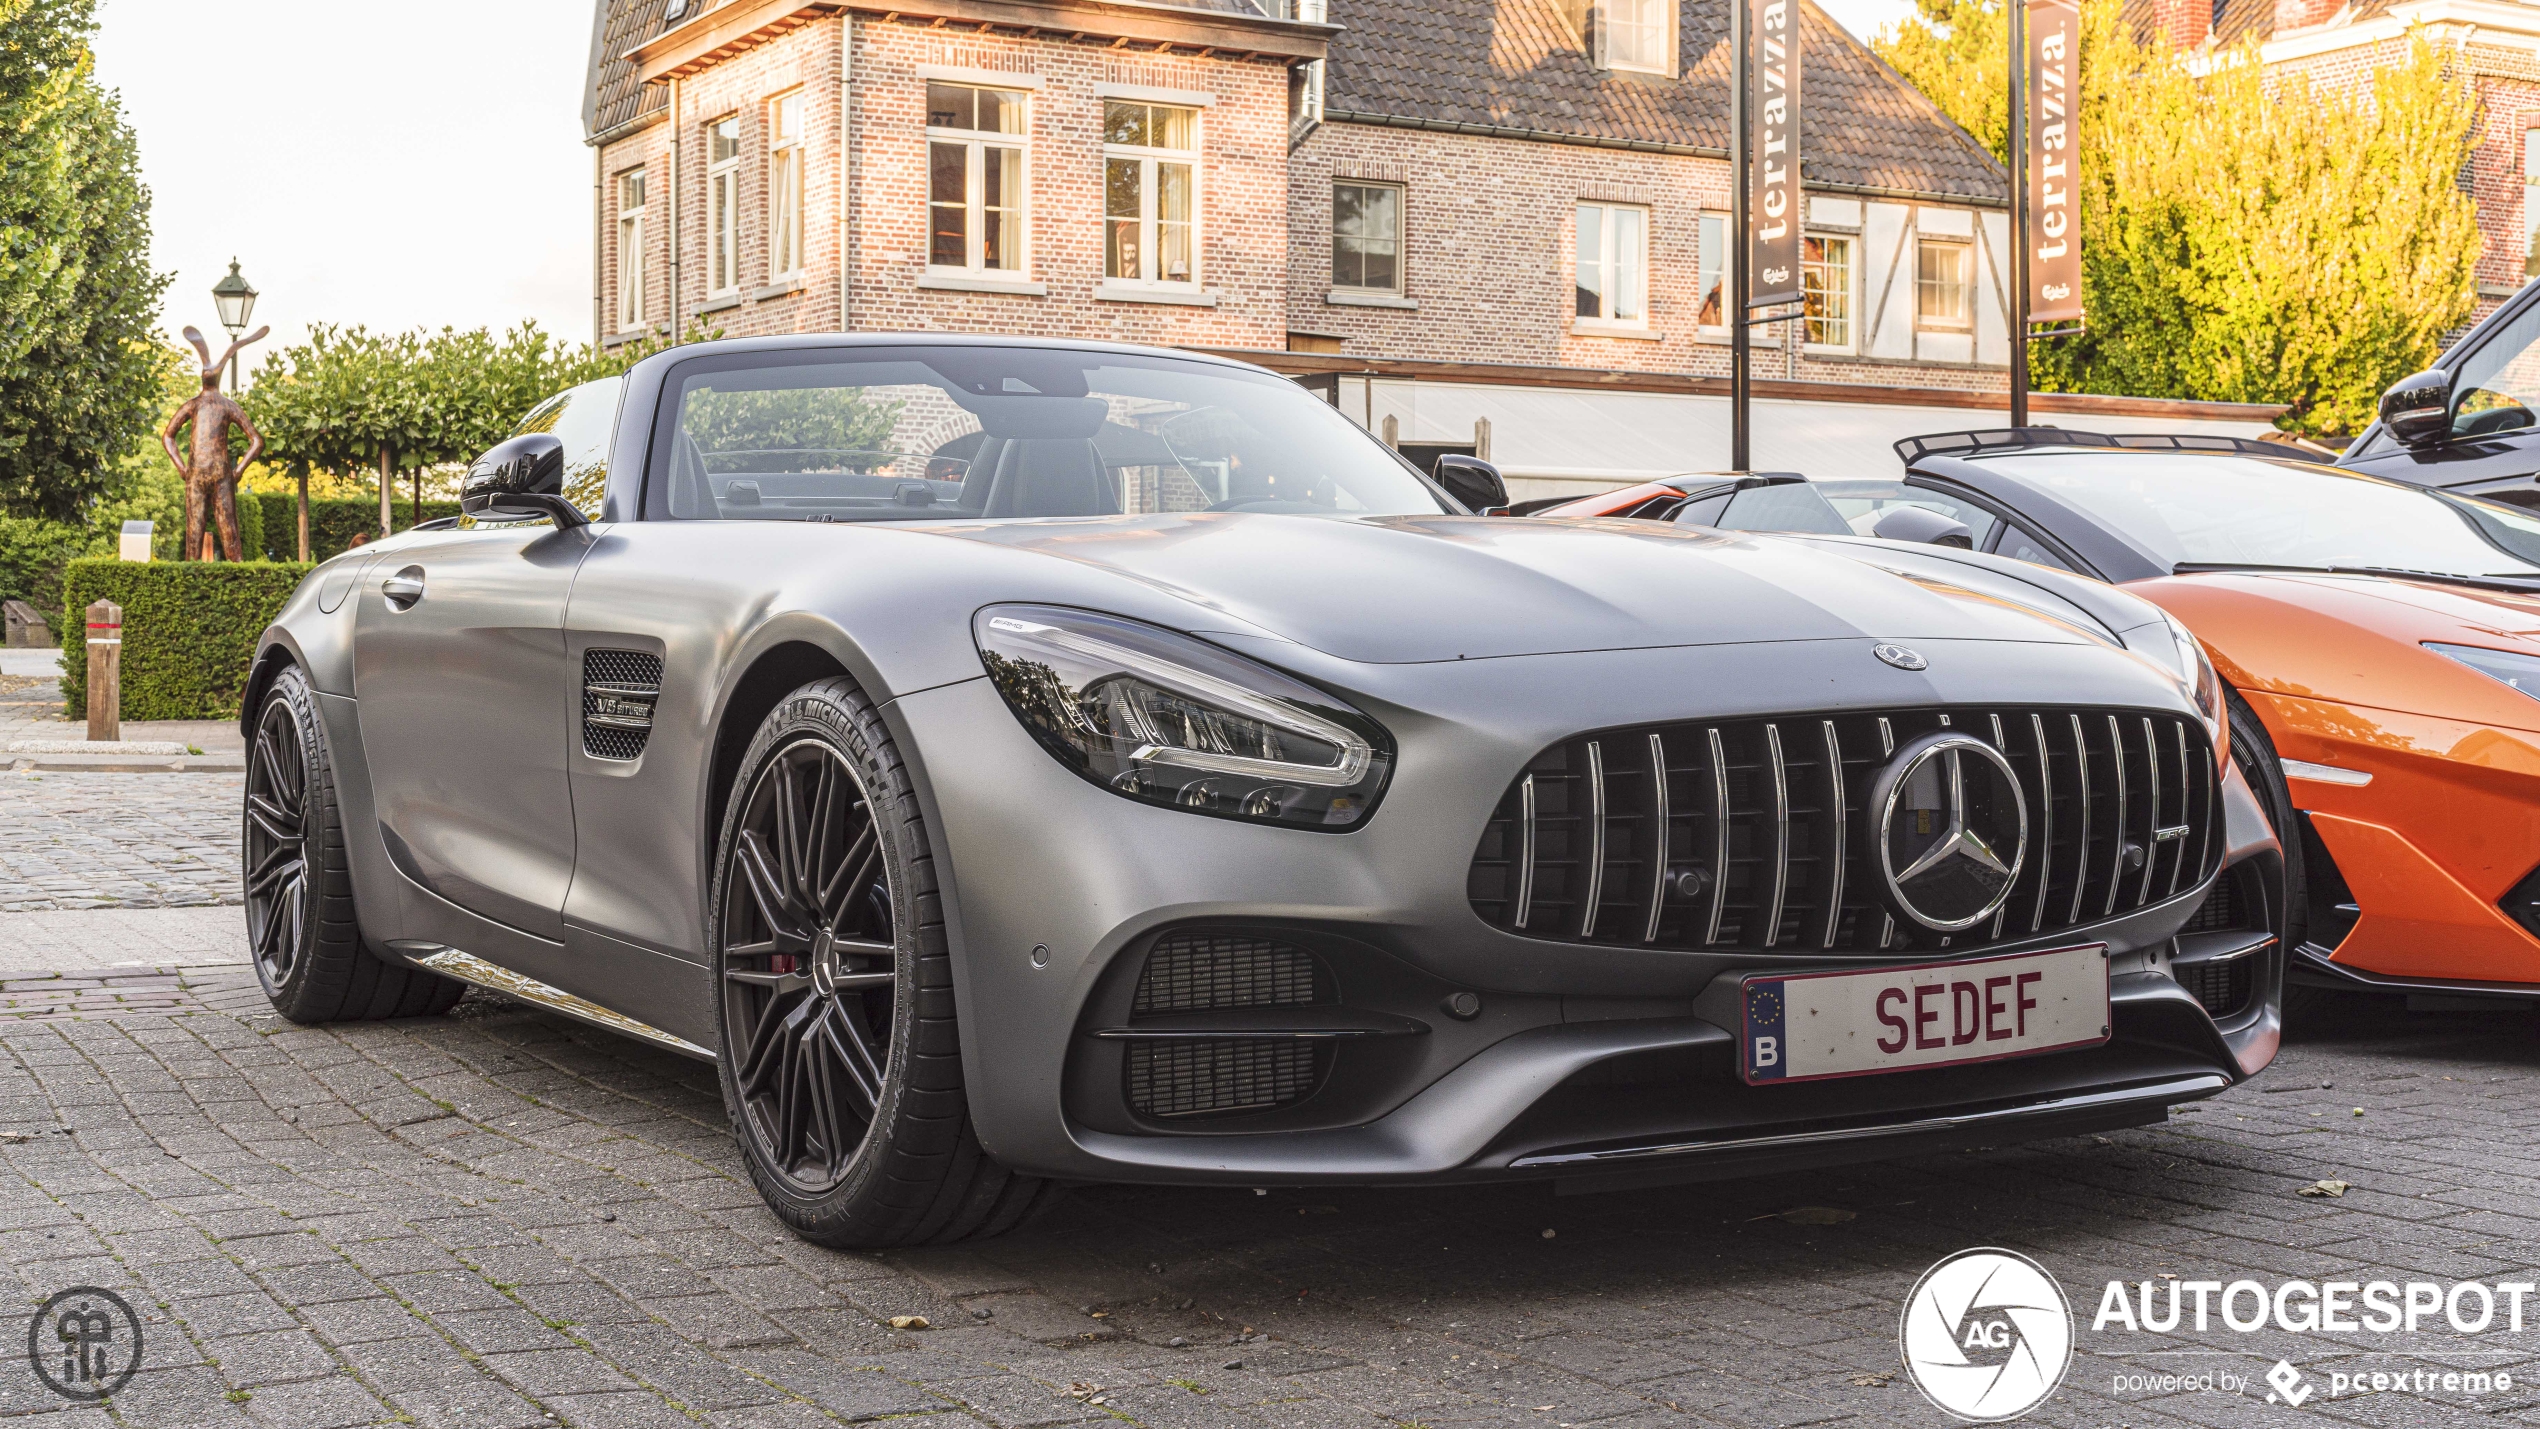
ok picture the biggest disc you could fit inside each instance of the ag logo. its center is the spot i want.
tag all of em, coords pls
(1987, 1335)
(84, 1343)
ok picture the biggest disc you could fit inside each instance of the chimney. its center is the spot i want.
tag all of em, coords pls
(2186, 24)
(2302, 14)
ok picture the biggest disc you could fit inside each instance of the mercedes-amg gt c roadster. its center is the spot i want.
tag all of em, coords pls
(1017, 763)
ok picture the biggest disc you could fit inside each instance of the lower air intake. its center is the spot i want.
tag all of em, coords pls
(2222, 988)
(1209, 972)
(1220, 1076)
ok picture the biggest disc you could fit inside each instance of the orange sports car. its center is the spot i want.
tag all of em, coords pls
(2381, 641)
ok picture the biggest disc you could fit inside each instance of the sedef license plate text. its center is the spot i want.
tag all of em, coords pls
(1805, 1026)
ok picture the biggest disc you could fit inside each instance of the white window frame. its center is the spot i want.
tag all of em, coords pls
(1966, 252)
(2531, 202)
(1610, 255)
(1148, 158)
(1713, 255)
(1655, 23)
(1401, 204)
(786, 171)
(723, 210)
(974, 181)
(1851, 293)
(630, 250)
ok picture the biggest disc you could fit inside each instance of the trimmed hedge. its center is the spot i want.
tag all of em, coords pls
(189, 631)
(333, 521)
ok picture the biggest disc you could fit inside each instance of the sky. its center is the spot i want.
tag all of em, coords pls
(395, 165)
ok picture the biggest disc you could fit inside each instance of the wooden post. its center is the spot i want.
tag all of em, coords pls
(302, 469)
(387, 495)
(105, 671)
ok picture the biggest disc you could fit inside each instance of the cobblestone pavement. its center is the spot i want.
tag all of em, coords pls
(117, 840)
(500, 1220)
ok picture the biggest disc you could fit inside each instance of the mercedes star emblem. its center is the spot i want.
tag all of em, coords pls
(1951, 830)
(1900, 657)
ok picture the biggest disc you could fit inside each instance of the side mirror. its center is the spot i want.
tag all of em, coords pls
(1921, 523)
(1474, 482)
(521, 479)
(2418, 410)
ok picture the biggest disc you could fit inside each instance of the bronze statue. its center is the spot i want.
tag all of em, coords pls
(211, 482)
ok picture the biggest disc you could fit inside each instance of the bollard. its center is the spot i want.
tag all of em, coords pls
(105, 671)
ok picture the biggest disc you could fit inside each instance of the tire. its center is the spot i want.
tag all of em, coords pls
(302, 931)
(841, 1062)
(2253, 749)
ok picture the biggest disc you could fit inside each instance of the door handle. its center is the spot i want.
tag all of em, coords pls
(404, 588)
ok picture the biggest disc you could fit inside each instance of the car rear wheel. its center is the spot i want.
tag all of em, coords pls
(302, 932)
(841, 1060)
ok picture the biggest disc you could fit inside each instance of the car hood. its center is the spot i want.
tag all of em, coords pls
(2357, 639)
(1401, 589)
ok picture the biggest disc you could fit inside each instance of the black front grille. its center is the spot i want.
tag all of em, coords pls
(1220, 1076)
(619, 689)
(1593, 841)
(2222, 987)
(1207, 972)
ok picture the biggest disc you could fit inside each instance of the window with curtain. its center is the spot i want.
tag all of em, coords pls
(1825, 284)
(1613, 262)
(1943, 288)
(785, 186)
(1150, 164)
(975, 184)
(723, 205)
(630, 250)
(1367, 237)
(1713, 262)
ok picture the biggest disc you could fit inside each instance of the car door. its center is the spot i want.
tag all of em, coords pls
(465, 704)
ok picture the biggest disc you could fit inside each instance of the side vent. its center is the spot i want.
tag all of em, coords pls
(619, 688)
(1198, 973)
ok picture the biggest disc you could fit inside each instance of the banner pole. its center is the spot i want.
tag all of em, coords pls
(2018, 16)
(1739, 243)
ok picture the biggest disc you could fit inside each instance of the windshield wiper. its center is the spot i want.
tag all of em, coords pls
(2524, 585)
(2189, 568)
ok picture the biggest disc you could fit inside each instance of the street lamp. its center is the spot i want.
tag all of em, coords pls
(235, 297)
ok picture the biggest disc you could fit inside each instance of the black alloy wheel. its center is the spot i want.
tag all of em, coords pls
(840, 1040)
(810, 976)
(275, 841)
(302, 931)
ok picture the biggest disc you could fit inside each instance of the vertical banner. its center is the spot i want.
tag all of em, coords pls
(1773, 222)
(2054, 210)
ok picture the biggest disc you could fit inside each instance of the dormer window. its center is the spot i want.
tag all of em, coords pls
(1640, 34)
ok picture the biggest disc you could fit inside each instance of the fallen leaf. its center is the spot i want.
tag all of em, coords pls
(1872, 1381)
(1817, 1215)
(911, 1322)
(2325, 1188)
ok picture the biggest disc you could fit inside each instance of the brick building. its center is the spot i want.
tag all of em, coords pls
(2340, 43)
(1431, 211)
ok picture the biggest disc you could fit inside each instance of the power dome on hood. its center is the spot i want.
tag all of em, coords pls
(1404, 589)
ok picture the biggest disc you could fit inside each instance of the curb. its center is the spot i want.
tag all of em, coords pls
(127, 764)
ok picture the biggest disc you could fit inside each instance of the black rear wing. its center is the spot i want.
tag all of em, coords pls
(1992, 439)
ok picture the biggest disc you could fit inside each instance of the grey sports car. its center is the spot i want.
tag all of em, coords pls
(1016, 763)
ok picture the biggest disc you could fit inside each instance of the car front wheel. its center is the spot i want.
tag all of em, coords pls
(841, 1061)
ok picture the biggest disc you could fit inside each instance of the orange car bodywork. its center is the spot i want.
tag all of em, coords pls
(2336, 668)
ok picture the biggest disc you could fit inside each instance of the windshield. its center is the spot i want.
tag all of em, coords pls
(962, 433)
(2242, 511)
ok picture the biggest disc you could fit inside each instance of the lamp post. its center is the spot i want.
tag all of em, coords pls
(236, 299)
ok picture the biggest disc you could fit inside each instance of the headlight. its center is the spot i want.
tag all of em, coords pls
(1166, 719)
(2520, 671)
(2185, 660)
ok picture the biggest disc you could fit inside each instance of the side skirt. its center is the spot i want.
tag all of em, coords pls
(468, 968)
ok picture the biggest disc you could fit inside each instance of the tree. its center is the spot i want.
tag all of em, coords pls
(2246, 237)
(348, 400)
(77, 359)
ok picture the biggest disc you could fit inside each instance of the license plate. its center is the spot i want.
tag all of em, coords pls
(1808, 1026)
